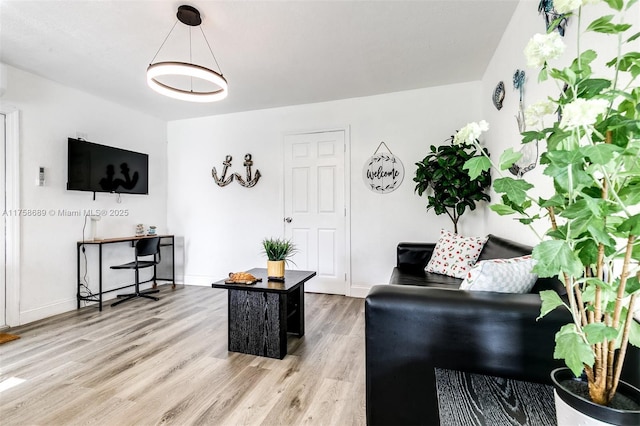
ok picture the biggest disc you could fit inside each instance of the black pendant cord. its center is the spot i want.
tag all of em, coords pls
(190, 57)
(210, 50)
(165, 40)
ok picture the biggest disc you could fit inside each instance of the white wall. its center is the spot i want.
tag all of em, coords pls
(223, 227)
(49, 114)
(508, 57)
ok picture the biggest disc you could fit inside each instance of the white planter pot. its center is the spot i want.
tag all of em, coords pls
(566, 415)
(573, 410)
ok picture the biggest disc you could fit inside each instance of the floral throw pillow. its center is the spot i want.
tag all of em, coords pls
(502, 275)
(454, 255)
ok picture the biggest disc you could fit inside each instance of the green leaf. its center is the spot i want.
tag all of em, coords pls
(550, 301)
(515, 189)
(502, 209)
(571, 347)
(633, 37)
(633, 286)
(530, 136)
(509, 157)
(593, 87)
(476, 165)
(556, 257)
(599, 332)
(634, 334)
(604, 25)
(631, 225)
(615, 4)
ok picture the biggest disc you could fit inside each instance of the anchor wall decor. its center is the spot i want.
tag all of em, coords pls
(249, 183)
(224, 180)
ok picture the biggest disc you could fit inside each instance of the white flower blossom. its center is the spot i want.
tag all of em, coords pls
(566, 6)
(535, 113)
(582, 113)
(542, 48)
(469, 133)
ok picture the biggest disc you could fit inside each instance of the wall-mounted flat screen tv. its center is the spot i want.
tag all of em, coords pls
(100, 168)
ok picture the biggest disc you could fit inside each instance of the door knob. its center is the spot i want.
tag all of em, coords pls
(288, 219)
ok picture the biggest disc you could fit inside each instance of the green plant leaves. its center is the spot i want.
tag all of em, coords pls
(550, 301)
(556, 256)
(514, 189)
(508, 158)
(476, 165)
(604, 25)
(454, 178)
(599, 332)
(571, 347)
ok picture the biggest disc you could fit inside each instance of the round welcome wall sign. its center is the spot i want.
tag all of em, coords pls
(383, 173)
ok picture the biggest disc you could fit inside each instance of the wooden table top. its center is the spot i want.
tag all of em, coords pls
(292, 279)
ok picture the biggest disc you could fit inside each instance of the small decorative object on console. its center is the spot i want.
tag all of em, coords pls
(242, 278)
(139, 230)
(152, 230)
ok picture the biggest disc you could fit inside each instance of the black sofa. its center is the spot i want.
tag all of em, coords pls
(422, 321)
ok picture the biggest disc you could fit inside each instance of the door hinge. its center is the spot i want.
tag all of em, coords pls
(345, 276)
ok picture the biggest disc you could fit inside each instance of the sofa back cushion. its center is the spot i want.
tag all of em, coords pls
(501, 248)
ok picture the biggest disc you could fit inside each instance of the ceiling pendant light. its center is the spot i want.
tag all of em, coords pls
(189, 16)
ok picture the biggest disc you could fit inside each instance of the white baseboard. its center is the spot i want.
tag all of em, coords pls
(200, 280)
(361, 292)
(46, 311)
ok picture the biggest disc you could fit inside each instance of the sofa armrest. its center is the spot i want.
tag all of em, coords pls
(412, 330)
(413, 256)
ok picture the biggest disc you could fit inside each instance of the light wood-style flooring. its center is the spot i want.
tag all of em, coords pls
(166, 362)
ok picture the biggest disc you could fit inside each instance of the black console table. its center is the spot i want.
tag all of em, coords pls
(165, 241)
(261, 314)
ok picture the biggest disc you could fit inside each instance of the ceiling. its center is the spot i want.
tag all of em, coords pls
(273, 53)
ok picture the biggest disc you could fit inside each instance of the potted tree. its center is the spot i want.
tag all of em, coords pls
(592, 244)
(278, 251)
(449, 189)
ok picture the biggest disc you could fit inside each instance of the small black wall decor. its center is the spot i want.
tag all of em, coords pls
(498, 95)
(223, 180)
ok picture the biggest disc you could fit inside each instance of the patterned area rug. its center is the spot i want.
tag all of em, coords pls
(6, 337)
(474, 399)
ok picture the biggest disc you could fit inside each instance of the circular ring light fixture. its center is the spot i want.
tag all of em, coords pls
(189, 70)
(190, 16)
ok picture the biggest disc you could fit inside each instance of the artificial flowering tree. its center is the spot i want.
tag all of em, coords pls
(592, 157)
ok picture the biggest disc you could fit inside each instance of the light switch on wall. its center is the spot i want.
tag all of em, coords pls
(40, 181)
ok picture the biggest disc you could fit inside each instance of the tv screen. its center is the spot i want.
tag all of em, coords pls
(100, 168)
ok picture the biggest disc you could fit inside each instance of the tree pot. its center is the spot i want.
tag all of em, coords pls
(275, 270)
(573, 409)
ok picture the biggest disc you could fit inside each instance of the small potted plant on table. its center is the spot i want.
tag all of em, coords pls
(279, 252)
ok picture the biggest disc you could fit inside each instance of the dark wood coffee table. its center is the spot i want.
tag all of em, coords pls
(261, 314)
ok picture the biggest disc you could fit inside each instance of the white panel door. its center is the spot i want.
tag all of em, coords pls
(315, 209)
(3, 223)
